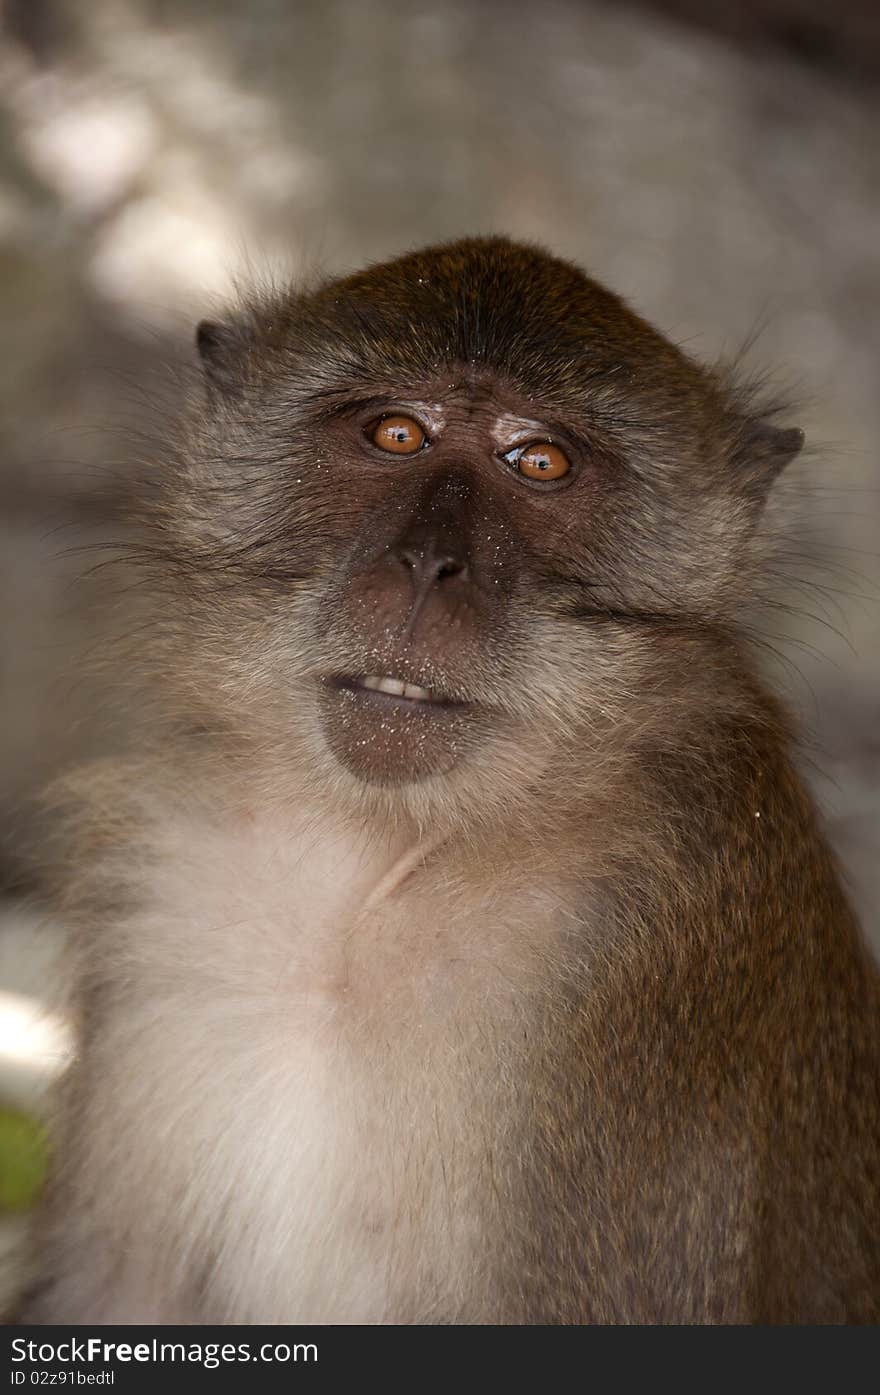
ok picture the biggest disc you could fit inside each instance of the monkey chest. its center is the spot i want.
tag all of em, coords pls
(329, 1077)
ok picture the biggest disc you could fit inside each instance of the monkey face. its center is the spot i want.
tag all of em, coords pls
(457, 511)
(451, 486)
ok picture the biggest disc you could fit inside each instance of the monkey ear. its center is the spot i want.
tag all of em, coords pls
(221, 349)
(765, 450)
(778, 444)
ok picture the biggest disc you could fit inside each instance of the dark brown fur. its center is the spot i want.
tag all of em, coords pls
(720, 1082)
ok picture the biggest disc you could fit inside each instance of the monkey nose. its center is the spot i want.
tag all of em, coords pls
(431, 561)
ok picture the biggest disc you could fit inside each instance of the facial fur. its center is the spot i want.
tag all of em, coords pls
(525, 614)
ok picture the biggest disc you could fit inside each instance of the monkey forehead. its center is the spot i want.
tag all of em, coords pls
(533, 333)
(489, 303)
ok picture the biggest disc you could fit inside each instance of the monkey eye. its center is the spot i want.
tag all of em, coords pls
(540, 461)
(400, 435)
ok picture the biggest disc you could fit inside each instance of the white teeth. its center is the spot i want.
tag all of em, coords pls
(418, 694)
(385, 685)
(396, 688)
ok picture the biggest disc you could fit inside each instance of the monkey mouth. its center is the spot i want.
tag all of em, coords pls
(388, 730)
(383, 690)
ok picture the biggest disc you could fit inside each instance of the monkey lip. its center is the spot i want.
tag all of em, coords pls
(388, 730)
(387, 691)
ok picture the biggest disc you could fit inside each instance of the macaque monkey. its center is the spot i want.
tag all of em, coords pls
(463, 947)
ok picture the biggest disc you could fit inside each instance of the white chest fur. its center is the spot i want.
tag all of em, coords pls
(307, 1072)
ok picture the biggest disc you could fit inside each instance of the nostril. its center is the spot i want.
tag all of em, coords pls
(448, 566)
(429, 566)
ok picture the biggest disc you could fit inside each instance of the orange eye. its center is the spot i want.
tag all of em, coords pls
(543, 462)
(401, 435)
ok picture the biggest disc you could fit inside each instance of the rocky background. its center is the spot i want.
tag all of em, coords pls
(717, 164)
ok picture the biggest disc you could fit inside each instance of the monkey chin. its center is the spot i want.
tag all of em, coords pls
(385, 739)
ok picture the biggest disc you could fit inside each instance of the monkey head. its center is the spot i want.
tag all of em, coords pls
(438, 525)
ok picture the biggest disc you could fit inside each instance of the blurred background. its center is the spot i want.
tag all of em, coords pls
(718, 164)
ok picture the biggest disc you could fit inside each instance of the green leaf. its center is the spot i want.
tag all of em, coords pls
(22, 1160)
